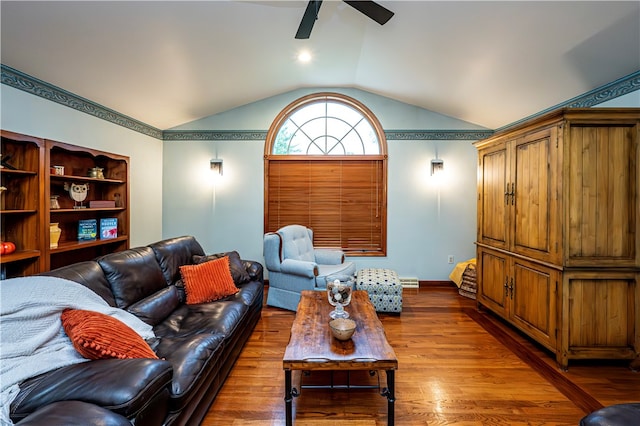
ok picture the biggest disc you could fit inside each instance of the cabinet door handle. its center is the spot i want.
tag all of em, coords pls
(506, 286)
(506, 193)
(513, 193)
(511, 288)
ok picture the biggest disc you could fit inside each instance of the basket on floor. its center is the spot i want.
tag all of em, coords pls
(469, 287)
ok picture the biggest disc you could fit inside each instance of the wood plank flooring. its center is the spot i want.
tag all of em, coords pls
(457, 366)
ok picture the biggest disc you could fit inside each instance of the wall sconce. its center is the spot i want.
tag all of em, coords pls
(437, 166)
(216, 166)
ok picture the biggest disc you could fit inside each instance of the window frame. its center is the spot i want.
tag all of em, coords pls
(379, 159)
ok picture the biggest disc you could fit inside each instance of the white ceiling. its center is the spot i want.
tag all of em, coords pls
(167, 63)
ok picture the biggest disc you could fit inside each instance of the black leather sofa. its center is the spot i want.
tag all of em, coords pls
(197, 344)
(614, 415)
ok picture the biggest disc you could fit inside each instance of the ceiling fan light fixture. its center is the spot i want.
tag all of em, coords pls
(304, 57)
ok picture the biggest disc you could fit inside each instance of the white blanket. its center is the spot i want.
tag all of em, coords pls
(32, 340)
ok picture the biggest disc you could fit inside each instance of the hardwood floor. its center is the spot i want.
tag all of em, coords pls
(457, 366)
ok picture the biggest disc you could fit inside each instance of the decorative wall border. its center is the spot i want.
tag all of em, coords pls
(430, 135)
(214, 135)
(260, 135)
(25, 82)
(622, 86)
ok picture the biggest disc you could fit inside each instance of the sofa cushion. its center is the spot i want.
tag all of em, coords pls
(220, 317)
(153, 309)
(250, 292)
(175, 252)
(208, 281)
(236, 265)
(99, 336)
(193, 358)
(89, 274)
(132, 275)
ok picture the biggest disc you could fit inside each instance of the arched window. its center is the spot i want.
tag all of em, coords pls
(326, 168)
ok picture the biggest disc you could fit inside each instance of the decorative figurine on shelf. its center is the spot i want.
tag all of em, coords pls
(78, 193)
(96, 172)
(2, 190)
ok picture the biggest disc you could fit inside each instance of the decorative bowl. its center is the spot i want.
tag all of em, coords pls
(342, 328)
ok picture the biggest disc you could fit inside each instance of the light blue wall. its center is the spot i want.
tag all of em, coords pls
(391, 113)
(425, 222)
(630, 100)
(36, 116)
(172, 192)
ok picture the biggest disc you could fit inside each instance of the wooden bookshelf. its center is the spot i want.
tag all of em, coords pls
(27, 210)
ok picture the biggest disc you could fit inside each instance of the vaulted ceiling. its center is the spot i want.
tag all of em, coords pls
(166, 63)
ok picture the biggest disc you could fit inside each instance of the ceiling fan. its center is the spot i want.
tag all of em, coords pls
(372, 9)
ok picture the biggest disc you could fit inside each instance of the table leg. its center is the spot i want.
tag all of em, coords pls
(390, 393)
(288, 398)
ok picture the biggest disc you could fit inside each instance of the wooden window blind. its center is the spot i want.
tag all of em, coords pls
(343, 199)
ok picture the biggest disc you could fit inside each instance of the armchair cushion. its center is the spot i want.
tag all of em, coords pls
(297, 243)
(329, 256)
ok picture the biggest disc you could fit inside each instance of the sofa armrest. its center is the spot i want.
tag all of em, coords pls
(329, 256)
(299, 267)
(64, 413)
(125, 386)
(254, 269)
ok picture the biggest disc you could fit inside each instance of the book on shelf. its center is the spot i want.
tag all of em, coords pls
(98, 204)
(108, 228)
(87, 229)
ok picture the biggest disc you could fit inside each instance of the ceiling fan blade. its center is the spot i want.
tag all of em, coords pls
(308, 19)
(373, 10)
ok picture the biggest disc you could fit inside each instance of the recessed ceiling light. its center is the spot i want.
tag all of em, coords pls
(304, 56)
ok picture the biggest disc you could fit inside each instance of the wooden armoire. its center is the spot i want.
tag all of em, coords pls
(558, 240)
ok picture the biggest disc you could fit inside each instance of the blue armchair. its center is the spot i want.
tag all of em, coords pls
(294, 265)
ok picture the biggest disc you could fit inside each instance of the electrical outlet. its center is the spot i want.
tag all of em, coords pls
(450, 258)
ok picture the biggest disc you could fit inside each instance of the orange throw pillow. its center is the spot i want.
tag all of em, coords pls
(99, 336)
(208, 281)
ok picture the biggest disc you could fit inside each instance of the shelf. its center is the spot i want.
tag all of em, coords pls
(79, 245)
(87, 210)
(85, 179)
(16, 211)
(19, 255)
(7, 171)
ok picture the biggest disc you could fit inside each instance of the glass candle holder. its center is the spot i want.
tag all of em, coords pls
(339, 296)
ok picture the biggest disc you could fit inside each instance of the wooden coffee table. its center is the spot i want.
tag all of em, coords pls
(313, 347)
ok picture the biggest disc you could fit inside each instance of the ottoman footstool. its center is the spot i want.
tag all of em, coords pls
(383, 286)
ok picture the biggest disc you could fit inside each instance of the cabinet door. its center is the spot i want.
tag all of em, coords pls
(602, 179)
(535, 206)
(493, 196)
(493, 280)
(533, 300)
(601, 315)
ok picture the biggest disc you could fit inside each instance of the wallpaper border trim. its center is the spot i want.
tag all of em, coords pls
(21, 81)
(260, 135)
(617, 88)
